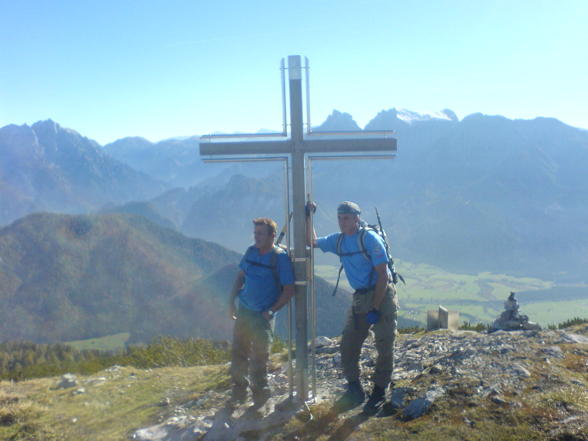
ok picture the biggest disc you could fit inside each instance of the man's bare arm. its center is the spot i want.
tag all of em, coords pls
(285, 296)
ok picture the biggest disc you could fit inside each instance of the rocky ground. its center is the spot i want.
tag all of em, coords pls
(448, 385)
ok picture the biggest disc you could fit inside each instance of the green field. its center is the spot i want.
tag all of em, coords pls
(108, 343)
(478, 298)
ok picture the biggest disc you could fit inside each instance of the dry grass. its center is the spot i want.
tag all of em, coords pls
(35, 410)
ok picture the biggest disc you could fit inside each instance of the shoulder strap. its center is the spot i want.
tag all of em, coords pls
(248, 252)
(263, 265)
(339, 242)
(273, 266)
(361, 243)
(274, 263)
(339, 251)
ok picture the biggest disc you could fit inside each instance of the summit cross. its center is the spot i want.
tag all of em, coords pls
(297, 148)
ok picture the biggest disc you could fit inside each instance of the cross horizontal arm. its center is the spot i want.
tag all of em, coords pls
(348, 145)
(246, 148)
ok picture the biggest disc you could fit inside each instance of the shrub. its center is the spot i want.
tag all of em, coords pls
(479, 327)
(22, 360)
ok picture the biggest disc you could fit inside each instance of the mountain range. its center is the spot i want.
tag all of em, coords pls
(46, 167)
(482, 194)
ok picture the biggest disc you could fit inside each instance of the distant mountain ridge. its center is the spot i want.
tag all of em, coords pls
(174, 161)
(45, 167)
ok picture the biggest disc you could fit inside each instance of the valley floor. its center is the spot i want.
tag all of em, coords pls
(479, 297)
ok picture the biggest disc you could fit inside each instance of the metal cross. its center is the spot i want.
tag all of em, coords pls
(296, 148)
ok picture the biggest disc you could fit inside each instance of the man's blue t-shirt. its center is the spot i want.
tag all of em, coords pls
(359, 270)
(260, 290)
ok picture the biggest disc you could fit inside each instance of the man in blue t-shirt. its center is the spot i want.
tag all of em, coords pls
(375, 304)
(264, 284)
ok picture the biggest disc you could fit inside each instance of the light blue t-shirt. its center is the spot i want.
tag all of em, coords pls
(360, 271)
(260, 290)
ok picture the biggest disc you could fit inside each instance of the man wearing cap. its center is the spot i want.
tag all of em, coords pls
(374, 304)
(264, 284)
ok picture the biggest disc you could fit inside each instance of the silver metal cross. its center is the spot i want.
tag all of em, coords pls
(297, 148)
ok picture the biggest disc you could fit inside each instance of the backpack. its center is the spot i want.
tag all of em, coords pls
(364, 228)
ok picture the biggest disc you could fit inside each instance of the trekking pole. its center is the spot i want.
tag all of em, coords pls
(391, 266)
(284, 229)
(290, 310)
(313, 305)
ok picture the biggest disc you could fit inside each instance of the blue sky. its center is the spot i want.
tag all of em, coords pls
(159, 69)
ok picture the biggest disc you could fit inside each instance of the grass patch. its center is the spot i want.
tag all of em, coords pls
(107, 343)
(569, 398)
(109, 410)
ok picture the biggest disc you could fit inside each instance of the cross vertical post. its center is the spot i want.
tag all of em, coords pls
(299, 200)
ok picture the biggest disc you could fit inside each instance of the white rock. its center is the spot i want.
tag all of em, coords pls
(321, 341)
(575, 338)
(67, 381)
(521, 371)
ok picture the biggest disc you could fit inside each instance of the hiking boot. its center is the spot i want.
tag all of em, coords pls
(260, 397)
(375, 401)
(353, 397)
(389, 409)
(238, 397)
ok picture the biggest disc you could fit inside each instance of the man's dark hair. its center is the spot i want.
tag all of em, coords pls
(272, 226)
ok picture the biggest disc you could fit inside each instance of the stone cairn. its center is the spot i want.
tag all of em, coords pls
(511, 320)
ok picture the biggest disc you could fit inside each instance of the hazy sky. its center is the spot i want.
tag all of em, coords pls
(159, 69)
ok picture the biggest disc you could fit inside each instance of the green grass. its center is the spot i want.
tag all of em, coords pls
(107, 343)
(556, 312)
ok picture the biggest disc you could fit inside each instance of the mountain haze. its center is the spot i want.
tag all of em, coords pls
(174, 161)
(68, 277)
(482, 194)
(46, 167)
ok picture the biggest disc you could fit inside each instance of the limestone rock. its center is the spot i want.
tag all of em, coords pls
(67, 381)
(322, 341)
(575, 338)
(420, 406)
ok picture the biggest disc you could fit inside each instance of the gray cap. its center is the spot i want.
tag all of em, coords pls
(347, 207)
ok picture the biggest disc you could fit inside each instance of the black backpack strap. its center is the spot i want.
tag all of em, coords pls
(338, 253)
(338, 278)
(361, 243)
(362, 247)
(362, 250)
(248, 255)
(274, 264)
(273, 260)
(338, 248)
